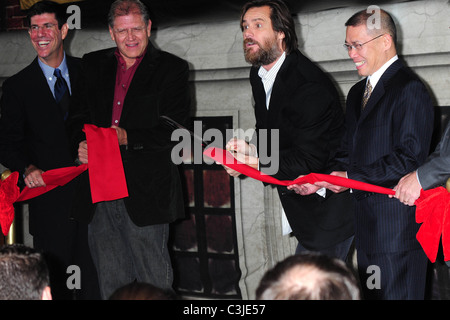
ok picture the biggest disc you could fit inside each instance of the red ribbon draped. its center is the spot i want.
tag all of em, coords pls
(226, 158)
(431, 208)
(432, 211)
(106, 175)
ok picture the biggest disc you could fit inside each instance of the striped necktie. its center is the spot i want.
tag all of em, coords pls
(366, 95)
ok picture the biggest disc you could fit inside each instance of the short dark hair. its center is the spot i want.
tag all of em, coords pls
(309, 276)
(42, 7)
(281, 18)
(23, 273)
(387, 23)
(126, 7)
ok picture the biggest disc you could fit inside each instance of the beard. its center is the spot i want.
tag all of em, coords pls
(267, 53)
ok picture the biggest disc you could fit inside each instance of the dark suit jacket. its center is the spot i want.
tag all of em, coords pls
(32, 131)
(305, 109)
(436, 169)
(389, 139)
(159, 87)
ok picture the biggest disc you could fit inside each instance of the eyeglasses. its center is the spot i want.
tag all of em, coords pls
(45, 27)
(358, 46)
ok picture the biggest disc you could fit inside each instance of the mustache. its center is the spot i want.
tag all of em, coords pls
(247, 41)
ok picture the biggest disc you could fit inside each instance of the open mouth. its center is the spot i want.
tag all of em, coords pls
(43, 44)
(249, 43)
(360, 64)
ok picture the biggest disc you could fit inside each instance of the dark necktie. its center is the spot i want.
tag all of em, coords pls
(62, 93)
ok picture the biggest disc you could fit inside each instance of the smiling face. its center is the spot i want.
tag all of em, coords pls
(131, 35)
(47, 38)
(262, 45)
(372, 55)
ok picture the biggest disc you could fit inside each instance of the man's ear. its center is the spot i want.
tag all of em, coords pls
(64, 30)
(46, 293)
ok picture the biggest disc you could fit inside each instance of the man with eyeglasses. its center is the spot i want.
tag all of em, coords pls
(33, 139)
(388, 135)
(128, 87)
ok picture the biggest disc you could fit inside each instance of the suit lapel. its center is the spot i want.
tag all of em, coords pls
(73, 70)
(141, 78)
(259, 95)
(282, 84)
(40, 83)
(107, 72)
(380, 89)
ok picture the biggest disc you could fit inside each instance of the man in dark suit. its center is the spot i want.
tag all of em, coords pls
(295, 99)
(388, 135)
(128, 88)
(33, 139)
(433, 173)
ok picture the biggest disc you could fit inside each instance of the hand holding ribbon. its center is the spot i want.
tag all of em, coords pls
(106, 175)
(226, 158)
(432, 207)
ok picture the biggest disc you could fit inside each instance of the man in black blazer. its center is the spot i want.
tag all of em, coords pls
(388, 135)
(295, 99)
(33, 139)
(128, 88)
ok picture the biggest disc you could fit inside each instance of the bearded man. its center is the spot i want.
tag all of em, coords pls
(294, 97)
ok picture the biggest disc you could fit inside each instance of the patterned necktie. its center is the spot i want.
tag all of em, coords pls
(366, 95)
(61, 92)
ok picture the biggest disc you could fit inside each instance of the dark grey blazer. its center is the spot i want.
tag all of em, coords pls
(436, 169)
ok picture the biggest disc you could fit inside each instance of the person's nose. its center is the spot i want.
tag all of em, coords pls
(40, 31)
(352, 52)
(247, 33)
(130, 34)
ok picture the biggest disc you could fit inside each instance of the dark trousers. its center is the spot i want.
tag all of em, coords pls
(401, 276)
(340, 250)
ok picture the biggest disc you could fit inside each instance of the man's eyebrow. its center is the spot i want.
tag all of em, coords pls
(253, 20)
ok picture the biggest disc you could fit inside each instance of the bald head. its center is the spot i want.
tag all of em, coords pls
(308, 277)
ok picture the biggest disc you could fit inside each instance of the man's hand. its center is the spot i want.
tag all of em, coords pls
(33, 177)
(248, 160)
(83, 152)
(408, 189)
(243, 152)
(121, 135)
(332, 187)
(241, 146)
(304, 189)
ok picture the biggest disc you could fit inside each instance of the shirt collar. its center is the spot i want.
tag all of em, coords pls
(263, 73)
(375, 77)
(121, 60)
(48, 71)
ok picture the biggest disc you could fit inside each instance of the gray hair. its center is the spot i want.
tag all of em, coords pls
(126, 7)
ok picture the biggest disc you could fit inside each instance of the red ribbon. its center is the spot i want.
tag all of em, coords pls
(226, 158)
(431, 208)
(9, 191)
(432, 211)
(106, 175)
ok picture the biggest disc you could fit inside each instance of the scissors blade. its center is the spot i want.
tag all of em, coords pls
(175, 125)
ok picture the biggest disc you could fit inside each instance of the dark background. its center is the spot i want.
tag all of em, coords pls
(177, 12)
